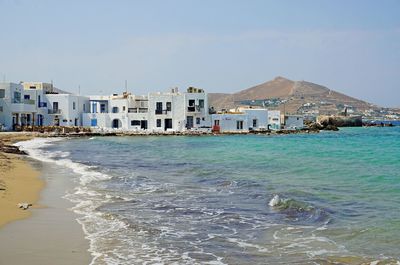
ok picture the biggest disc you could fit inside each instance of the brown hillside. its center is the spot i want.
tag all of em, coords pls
(278, 88)
(294, 94)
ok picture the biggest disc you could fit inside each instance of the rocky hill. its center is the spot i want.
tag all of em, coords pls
(292, 97)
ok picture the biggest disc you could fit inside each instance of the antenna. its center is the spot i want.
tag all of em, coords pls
(126, 86)
(4, 78)
(79, 90)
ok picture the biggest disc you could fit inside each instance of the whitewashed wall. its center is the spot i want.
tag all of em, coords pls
(294, 122)
(261, 115)
(274, 119)
(228, 122)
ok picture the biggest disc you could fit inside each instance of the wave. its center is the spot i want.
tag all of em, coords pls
(299, 211)
(100, 226)
(86, 200)
(34, 148)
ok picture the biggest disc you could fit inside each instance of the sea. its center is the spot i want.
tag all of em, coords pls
(327, 198)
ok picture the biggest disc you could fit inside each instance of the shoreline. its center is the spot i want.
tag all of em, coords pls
(48, 232)
(19, 182)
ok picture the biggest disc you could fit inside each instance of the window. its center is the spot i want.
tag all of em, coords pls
(94, 107)
(254, 123)
(192, 106)
(93, 122)
(158, 122)
(158, 108)
(123, 108)
(216, 122)
(115, 110)
(2, 93)
(197, 120)
(84, 107)
(239, 125)
(55, 105)
(27, 97)
(135, 123)
(17, 97)
(73, 105)
(102, 108)
(201, 103)
(169, 106)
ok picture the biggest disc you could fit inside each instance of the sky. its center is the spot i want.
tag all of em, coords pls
(349, 46)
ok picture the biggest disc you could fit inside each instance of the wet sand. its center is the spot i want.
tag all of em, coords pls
(51, 234)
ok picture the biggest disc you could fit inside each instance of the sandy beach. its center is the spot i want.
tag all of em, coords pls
(19, 182)
(47, 232)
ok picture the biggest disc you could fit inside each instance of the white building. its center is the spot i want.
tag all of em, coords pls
(65, 109)
(230, 122)
(158, 112)
(123, 112)
(257, 119)
(36, 103)
(19, 106)
(274, 119)
(293, 122)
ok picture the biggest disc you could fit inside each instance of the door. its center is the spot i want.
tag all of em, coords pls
(40, 120)
(167, 124)
(115, 123)
(143, 124)
(189, 122)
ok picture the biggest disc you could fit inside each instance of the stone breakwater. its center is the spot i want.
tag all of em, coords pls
(58, 131)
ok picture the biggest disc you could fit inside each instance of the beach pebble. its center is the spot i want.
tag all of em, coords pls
(24, 205)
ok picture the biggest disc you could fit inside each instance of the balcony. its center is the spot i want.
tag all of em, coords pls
(29, 101)
(23, 101)
(160, 111)
(54, 111)
(193, 108)
(138, 110)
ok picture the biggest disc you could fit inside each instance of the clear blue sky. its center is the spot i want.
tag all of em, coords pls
(219, 45)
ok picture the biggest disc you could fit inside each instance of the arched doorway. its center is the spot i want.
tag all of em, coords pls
(116, 123)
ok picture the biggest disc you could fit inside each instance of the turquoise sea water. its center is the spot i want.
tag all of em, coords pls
(204, 200)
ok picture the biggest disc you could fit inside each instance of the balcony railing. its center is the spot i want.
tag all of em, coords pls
(54, 111)
(23, 101)
(196, 108)
(160, 111)
(29, 101)
(138, 110)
